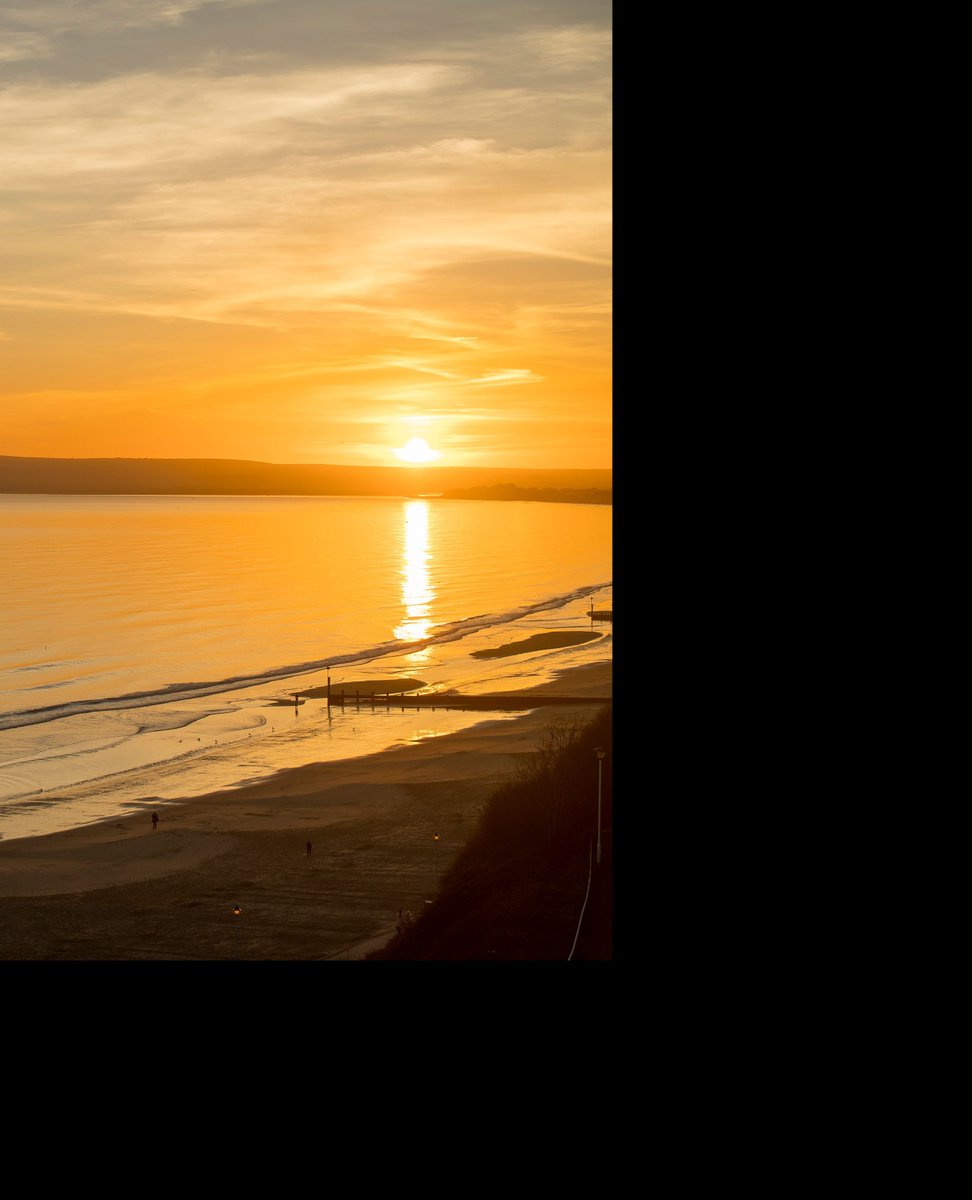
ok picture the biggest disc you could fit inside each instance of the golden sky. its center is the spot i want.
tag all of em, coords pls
(306, 230)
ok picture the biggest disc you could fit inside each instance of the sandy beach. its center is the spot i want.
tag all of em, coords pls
(119, 890)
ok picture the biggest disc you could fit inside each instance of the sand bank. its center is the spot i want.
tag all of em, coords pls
(539, 641)
(119, 890)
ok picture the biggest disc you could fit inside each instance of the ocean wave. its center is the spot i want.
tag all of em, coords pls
(195, 690)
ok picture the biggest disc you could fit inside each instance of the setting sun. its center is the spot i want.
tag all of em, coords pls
(417, 450)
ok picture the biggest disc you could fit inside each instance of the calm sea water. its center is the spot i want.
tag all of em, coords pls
(146, 642)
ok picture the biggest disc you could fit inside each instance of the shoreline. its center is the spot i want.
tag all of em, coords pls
(109, 763)
(118, 889)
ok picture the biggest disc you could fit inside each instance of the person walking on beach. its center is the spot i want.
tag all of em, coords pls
(309, 848)
(155, 821)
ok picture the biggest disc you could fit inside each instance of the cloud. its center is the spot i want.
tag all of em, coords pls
(568, 48)
(65, 16)
(152, 128)
(429, 337)
(502, 378)
(263, 191)
(16, 47)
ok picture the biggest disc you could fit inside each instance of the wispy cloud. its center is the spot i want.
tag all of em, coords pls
(504, 378)
(30, 32)
(16, 47)
(244, 182)
(64, 16)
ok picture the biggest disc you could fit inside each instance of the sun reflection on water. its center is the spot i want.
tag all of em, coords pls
(417, 593)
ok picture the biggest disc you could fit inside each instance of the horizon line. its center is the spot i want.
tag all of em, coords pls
(406, 467)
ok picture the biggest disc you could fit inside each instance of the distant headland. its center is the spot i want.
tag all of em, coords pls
(237, 477)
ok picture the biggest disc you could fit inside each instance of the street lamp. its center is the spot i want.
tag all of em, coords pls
(600, 752)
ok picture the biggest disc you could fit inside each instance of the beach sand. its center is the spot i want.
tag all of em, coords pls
(118, 890)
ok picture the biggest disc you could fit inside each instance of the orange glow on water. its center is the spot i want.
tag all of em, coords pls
(417, 592)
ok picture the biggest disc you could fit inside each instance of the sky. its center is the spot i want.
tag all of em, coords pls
(307, 231)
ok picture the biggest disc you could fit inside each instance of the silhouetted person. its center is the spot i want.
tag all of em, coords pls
(308, 849)
(155, 820)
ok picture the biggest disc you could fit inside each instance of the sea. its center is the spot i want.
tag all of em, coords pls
(151, 646)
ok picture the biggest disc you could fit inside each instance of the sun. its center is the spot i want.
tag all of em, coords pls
(417, 450)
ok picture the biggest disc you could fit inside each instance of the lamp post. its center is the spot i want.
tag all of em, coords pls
(600, 752)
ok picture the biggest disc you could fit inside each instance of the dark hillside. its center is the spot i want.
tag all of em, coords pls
(229, 477)
(518, 889)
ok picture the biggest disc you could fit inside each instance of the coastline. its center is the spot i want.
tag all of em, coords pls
(119, 890)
